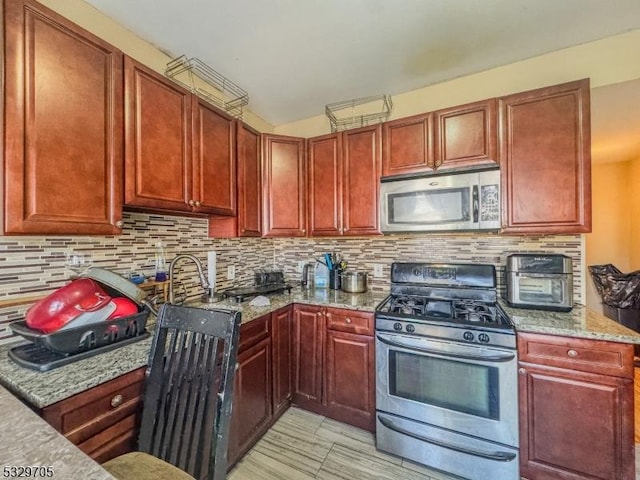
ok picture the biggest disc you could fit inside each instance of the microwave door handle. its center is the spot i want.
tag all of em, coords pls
(497, 456)
(476, 204)
(494, 357)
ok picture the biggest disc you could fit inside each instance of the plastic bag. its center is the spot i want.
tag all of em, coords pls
(617, 289)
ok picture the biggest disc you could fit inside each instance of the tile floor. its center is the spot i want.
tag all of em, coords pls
(302, 445)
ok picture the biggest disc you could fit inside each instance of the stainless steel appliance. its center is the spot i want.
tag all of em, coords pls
(540, 281)
(447, 201)
(446, 371)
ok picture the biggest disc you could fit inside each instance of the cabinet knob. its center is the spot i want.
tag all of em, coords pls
(304, 230)
(119, 224)
(237, 367)
(347, 320)
(197, 203)
(191, 203)
(572, 353)
(117, 401)
(522, 371)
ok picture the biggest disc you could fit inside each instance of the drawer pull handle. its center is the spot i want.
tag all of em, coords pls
(522, 371)
(572, 353)
(116, 401)
(347, 320)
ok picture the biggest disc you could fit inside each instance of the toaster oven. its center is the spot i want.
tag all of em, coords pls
(540, 281)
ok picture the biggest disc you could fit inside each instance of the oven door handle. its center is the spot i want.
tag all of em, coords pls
(497, 456)
(494, 357)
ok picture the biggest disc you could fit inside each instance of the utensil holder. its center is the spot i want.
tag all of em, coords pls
(334, 279)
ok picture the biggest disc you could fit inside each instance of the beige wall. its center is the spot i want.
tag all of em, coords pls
(611, 238)
(608, 61)
(634, 213)
(96, 22)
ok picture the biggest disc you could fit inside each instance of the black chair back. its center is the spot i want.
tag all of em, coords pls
(188, 389)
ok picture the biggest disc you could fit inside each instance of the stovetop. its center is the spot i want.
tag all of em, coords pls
(449, 301)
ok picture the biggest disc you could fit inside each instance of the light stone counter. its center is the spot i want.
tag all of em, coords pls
(42, 389)
(579, 322)
(28, 441)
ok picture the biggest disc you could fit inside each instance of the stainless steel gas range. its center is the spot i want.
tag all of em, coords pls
(446, 371)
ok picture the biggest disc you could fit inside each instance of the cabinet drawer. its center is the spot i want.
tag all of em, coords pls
(351, 321)
(87, 414)
(594, 356)
(253, 332)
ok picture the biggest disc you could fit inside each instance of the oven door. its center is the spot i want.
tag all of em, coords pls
(465, 388)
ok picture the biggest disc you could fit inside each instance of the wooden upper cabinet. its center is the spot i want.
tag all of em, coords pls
(545, 155)
(63, 142)
(407, 145)
(466, 135)
(284, 186)
(180, 150)
(361, 166)
(249, 182)
(214, 160)
(157, 139)
(325, 185)
(344, 173)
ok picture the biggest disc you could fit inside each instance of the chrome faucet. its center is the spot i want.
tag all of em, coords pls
(203, 279)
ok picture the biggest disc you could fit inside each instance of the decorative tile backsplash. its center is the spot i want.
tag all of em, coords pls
(34, 266)
(363, 253)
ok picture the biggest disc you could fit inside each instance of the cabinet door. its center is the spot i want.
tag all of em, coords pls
(251, 398)
(63, 145)
(102, 421)
(575, 425)
(361, 157)
(157, 140)
(408, 145)
(308, 334)
(284, 186)
(350, 379)
(214, 160)
(282, 324)
(249, 184)
(325, 185)
(545, 155)
(466, 135)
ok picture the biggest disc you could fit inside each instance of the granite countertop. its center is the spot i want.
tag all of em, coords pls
(43, 389)
(28, 441)
(579, 322)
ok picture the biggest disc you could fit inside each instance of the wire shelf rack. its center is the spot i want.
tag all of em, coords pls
(358, 112)
(183, 71)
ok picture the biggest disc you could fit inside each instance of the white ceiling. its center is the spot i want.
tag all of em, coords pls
(295, 56)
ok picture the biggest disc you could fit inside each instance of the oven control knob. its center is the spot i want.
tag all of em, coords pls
(397, 327)
(468, 336)
(483, 337)
(411, 328)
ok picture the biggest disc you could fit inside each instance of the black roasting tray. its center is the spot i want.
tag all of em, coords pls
(87, 337)
(37, 357)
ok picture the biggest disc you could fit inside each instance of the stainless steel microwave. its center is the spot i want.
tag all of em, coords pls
(445, 202)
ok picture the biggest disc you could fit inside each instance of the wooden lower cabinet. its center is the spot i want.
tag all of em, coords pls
(252, 407)
(334, 364)
(102, 421)
(308, 334)
(576, 409)
(262, 388)
(350, 379)
(281, 323)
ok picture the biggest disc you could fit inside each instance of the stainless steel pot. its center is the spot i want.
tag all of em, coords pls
(354, 282)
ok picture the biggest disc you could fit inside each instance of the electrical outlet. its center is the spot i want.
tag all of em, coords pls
(377, 270)
(231, 272)
(300, 266)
